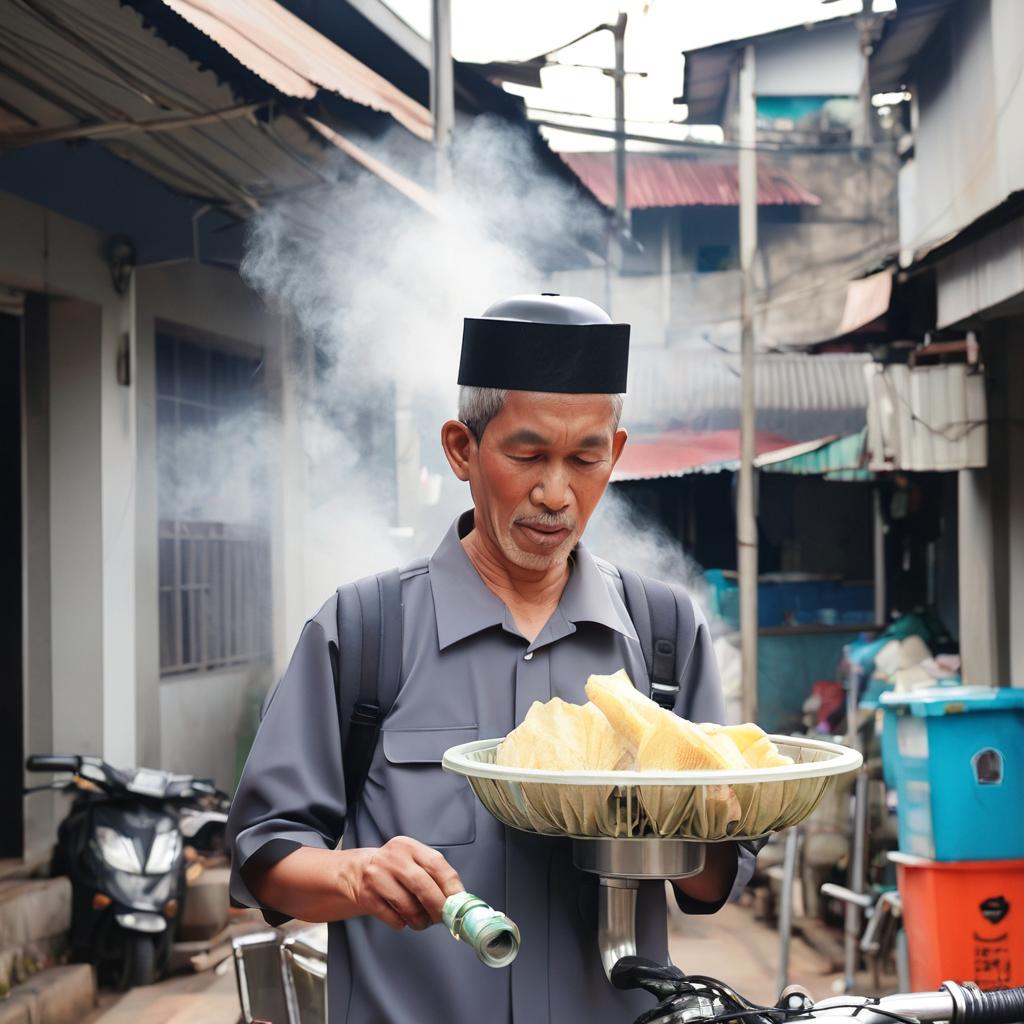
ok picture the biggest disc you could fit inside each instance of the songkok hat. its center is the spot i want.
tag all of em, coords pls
(547, 342)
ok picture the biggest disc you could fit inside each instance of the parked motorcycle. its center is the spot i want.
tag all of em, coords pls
(122, 846)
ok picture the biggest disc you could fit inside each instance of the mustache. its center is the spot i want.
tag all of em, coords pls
(550, 522)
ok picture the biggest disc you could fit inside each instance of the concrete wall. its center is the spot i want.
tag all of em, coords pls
(824, 62)
(992, 523)
(677, 308)
(40, 812)
(969, 152)
(91, 628)
(200, 715)
(76, 539)
(805, 259)
(77, 469)
(969, 156)
(189, 723)
(1004, 351)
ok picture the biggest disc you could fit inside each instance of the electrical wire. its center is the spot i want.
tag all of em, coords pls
(748, 1009)
(610, 117)
(857, 1008)
(760, 147)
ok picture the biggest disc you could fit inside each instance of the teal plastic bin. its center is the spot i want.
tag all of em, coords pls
(955, 756)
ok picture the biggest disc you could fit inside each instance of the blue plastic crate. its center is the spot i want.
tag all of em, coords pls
(955, 756)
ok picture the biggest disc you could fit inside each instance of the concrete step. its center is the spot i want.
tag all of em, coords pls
(25, 867)
(35, 915)
(58, 995)
(33, 908)
(206, 905)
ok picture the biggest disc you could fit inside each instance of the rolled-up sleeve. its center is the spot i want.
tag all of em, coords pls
(700, 700)
(292, 789)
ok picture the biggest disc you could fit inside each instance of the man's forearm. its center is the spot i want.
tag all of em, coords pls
(311, 884)
(715, 881)
(403, 883)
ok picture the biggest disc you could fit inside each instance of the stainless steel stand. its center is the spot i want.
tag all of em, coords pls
(789, 865)
(622, 865)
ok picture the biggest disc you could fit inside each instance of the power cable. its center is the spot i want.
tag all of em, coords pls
(762, 147)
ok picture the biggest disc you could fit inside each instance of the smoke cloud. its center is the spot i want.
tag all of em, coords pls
(375, 291)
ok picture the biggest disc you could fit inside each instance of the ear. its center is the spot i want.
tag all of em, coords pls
(618, 443)
(458, 444)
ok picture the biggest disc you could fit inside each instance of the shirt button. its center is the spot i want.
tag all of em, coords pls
(528, 656)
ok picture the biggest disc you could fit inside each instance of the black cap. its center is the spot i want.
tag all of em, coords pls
(545, 342)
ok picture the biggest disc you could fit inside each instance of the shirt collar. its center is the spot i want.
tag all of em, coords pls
(463, 604)
(590, 595)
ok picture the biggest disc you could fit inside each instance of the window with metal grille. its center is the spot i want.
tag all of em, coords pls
(214, 560)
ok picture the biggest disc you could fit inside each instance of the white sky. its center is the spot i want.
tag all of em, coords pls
(656, 34)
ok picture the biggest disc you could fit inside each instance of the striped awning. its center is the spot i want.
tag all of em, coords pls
(834, 458)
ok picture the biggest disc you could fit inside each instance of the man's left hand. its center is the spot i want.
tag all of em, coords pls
(715, 881)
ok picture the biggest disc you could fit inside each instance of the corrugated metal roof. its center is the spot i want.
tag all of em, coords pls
(70, 67)
(296, 59)
(673, 387)
(654, 181)
(904, 34)
(676, 453)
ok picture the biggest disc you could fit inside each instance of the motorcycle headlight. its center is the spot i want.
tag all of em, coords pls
(164, 852)
(118, 850)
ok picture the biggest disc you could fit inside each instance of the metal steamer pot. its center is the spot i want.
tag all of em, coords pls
(628, 827)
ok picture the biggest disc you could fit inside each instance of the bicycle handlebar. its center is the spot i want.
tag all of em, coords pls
(974, 1006)
(698, 998)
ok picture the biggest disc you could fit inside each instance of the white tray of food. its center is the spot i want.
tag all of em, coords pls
(602, 770)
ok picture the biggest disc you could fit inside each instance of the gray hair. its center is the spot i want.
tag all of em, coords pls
(478, 406)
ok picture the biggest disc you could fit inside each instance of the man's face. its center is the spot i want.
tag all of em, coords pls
(539, 471)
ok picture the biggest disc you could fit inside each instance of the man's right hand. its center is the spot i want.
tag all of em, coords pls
(403, 883)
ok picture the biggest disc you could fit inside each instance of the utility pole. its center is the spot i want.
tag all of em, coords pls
(620, 224)
(746, 512)
(442, 89)
(866, 23)
(621, 207)
(408, 460)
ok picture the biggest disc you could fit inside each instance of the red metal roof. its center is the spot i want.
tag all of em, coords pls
(653, 180)
(681, 452)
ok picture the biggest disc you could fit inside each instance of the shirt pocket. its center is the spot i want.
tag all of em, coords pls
(423, 800)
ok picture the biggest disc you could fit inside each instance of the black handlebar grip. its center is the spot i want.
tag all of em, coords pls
(999, 1006)
(639, 972)
(53, 762)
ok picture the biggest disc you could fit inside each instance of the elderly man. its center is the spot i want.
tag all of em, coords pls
(510, 609)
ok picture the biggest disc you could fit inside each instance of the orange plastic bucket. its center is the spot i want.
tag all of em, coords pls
(964, 920)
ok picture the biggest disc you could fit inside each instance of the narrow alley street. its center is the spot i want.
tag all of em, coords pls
(731, 945)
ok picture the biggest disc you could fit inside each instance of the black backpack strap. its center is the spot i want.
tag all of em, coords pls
(369, 669)
(653, 607)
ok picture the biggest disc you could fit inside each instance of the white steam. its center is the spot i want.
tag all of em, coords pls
(376, 291)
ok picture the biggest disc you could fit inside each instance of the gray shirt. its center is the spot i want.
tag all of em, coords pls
(467, 673)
